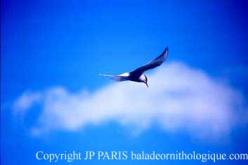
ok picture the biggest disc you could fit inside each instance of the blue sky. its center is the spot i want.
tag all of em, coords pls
(65, 44)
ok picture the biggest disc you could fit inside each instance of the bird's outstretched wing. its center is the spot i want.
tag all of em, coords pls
(115, 77)
(154, 63)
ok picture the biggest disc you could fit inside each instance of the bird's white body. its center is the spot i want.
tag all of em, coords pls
(126, 74)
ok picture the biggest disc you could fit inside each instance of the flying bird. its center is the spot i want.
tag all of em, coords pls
(138, 75)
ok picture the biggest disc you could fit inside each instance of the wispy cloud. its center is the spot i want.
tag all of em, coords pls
(179, 98)
(26, 101)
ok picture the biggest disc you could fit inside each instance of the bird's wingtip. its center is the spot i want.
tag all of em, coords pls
(165, 50)
(101, 74)
(105, 75)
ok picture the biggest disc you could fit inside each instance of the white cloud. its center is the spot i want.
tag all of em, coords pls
(179, 98)
(26, 101)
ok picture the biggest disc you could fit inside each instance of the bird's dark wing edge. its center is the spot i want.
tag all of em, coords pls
(154, 63)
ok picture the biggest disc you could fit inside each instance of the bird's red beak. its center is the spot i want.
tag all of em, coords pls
(147, 85)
